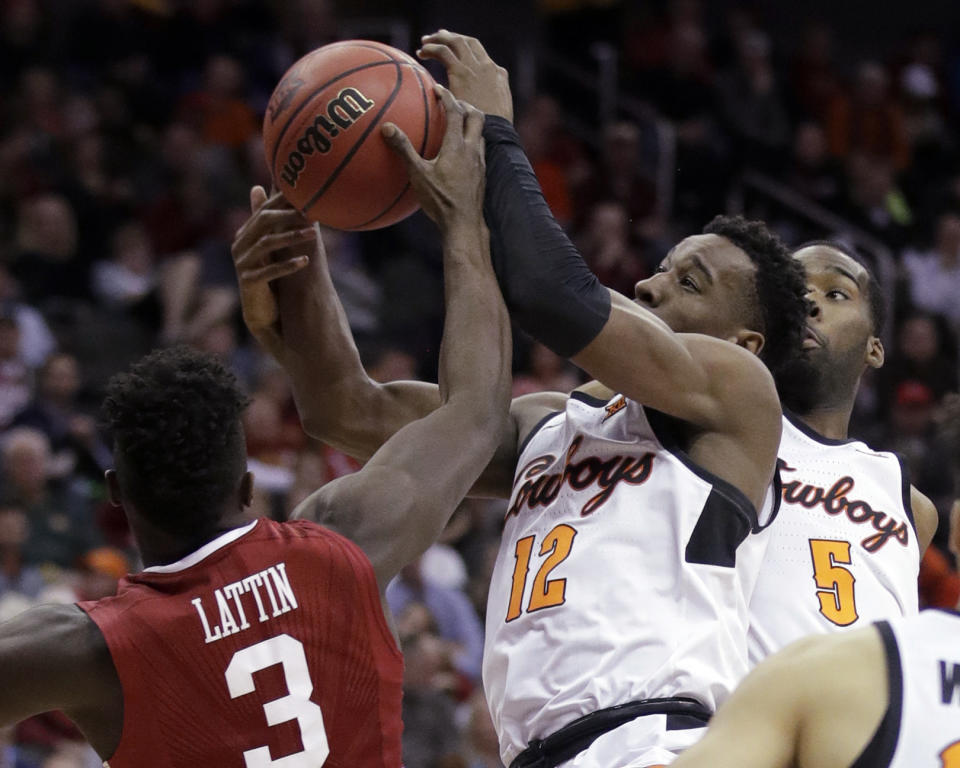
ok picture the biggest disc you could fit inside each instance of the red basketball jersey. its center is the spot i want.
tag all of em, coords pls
(266, 647)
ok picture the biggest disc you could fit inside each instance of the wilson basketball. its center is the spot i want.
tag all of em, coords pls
(322, 133)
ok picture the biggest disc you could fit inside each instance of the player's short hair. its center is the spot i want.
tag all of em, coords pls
(781, 309)
(878, 307)
(178, 440)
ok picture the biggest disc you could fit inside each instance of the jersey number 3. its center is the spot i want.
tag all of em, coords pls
(546, 592)
(296, 705)
(834, 582)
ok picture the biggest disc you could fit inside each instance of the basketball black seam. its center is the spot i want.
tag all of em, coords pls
(423, 147)
(353, 150)
(386, 210)
(341, 44)
(306, 102)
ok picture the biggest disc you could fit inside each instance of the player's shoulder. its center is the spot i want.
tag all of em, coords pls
(61, 630)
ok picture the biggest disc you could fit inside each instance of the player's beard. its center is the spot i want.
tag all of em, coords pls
(820, 378)
(798, 384)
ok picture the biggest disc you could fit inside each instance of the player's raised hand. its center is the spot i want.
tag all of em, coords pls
(449, 187)
(274, 242)
(474, 77)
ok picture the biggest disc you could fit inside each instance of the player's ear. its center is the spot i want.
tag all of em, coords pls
(246, 490)
(875, 352)
(752, 341)
(113, 487)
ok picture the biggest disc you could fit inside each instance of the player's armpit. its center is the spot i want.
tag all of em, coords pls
(925, 516)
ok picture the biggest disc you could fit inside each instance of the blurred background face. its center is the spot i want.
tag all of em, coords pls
(919, 339)
(26, 456)
(61, 378)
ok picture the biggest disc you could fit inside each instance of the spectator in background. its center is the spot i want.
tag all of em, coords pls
(605, 243)
(72, 434)
(813, 74)
(59, 514)
(752, 106)
(873, 202)
(127, 280)
(218, 110)
(924, 353)
(868, 120)
(620, 176)
(430, 737)
(450, 610)
(36, 341)
(483, 750)
(545, 372)
(811, 170)
(16, 377)
(16, 576)
(934, 275)
(540, 127)
(46, 263)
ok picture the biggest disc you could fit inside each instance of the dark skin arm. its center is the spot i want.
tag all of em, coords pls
(700, 380)
(54, 657)
(291, 307)
(398, 504)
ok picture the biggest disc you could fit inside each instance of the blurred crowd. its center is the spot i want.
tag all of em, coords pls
(125, 170)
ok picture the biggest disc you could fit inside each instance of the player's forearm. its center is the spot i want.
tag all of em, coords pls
(548, 288)
(318, 352)
(475, 355)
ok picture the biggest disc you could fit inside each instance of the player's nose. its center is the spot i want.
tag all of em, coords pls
(650, 291)
(813, 305)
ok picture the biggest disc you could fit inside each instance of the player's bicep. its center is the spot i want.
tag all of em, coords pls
(45, 663)
(925, 516)
(699, 379)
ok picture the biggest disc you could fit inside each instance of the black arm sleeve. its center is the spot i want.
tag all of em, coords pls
(548, 288)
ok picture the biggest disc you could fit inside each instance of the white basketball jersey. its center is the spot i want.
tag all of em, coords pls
(617, 580)
(843, 550)
(921, 727)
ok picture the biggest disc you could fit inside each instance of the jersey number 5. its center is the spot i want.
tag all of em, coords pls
(950, 757)
(546, 592)
(834, 582)
(296, 705)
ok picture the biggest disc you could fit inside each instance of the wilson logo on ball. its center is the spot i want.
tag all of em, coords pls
(341, 112)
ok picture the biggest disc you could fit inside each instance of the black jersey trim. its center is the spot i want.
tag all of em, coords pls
(590, 400)
(905, 489)
(879, 751)
(812, 433)
(536, 428)
(664, 429)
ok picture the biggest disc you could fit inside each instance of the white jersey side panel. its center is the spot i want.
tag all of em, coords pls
(842, 551)
(615, 581)
(929, 723)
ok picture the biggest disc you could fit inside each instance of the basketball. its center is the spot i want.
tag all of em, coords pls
(322, 137)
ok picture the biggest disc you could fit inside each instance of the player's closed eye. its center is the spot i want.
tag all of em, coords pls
(689, 283)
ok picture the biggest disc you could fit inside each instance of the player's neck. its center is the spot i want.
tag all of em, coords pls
(158, 547)
(832, 422)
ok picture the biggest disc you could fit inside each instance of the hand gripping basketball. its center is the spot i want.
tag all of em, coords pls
(473, 75)
(451, 185)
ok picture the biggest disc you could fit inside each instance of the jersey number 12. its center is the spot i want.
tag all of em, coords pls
(547, 592)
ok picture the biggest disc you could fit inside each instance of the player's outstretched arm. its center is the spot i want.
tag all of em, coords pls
(53, 657)
(396, 506)
(291, 307)
(553, 295)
